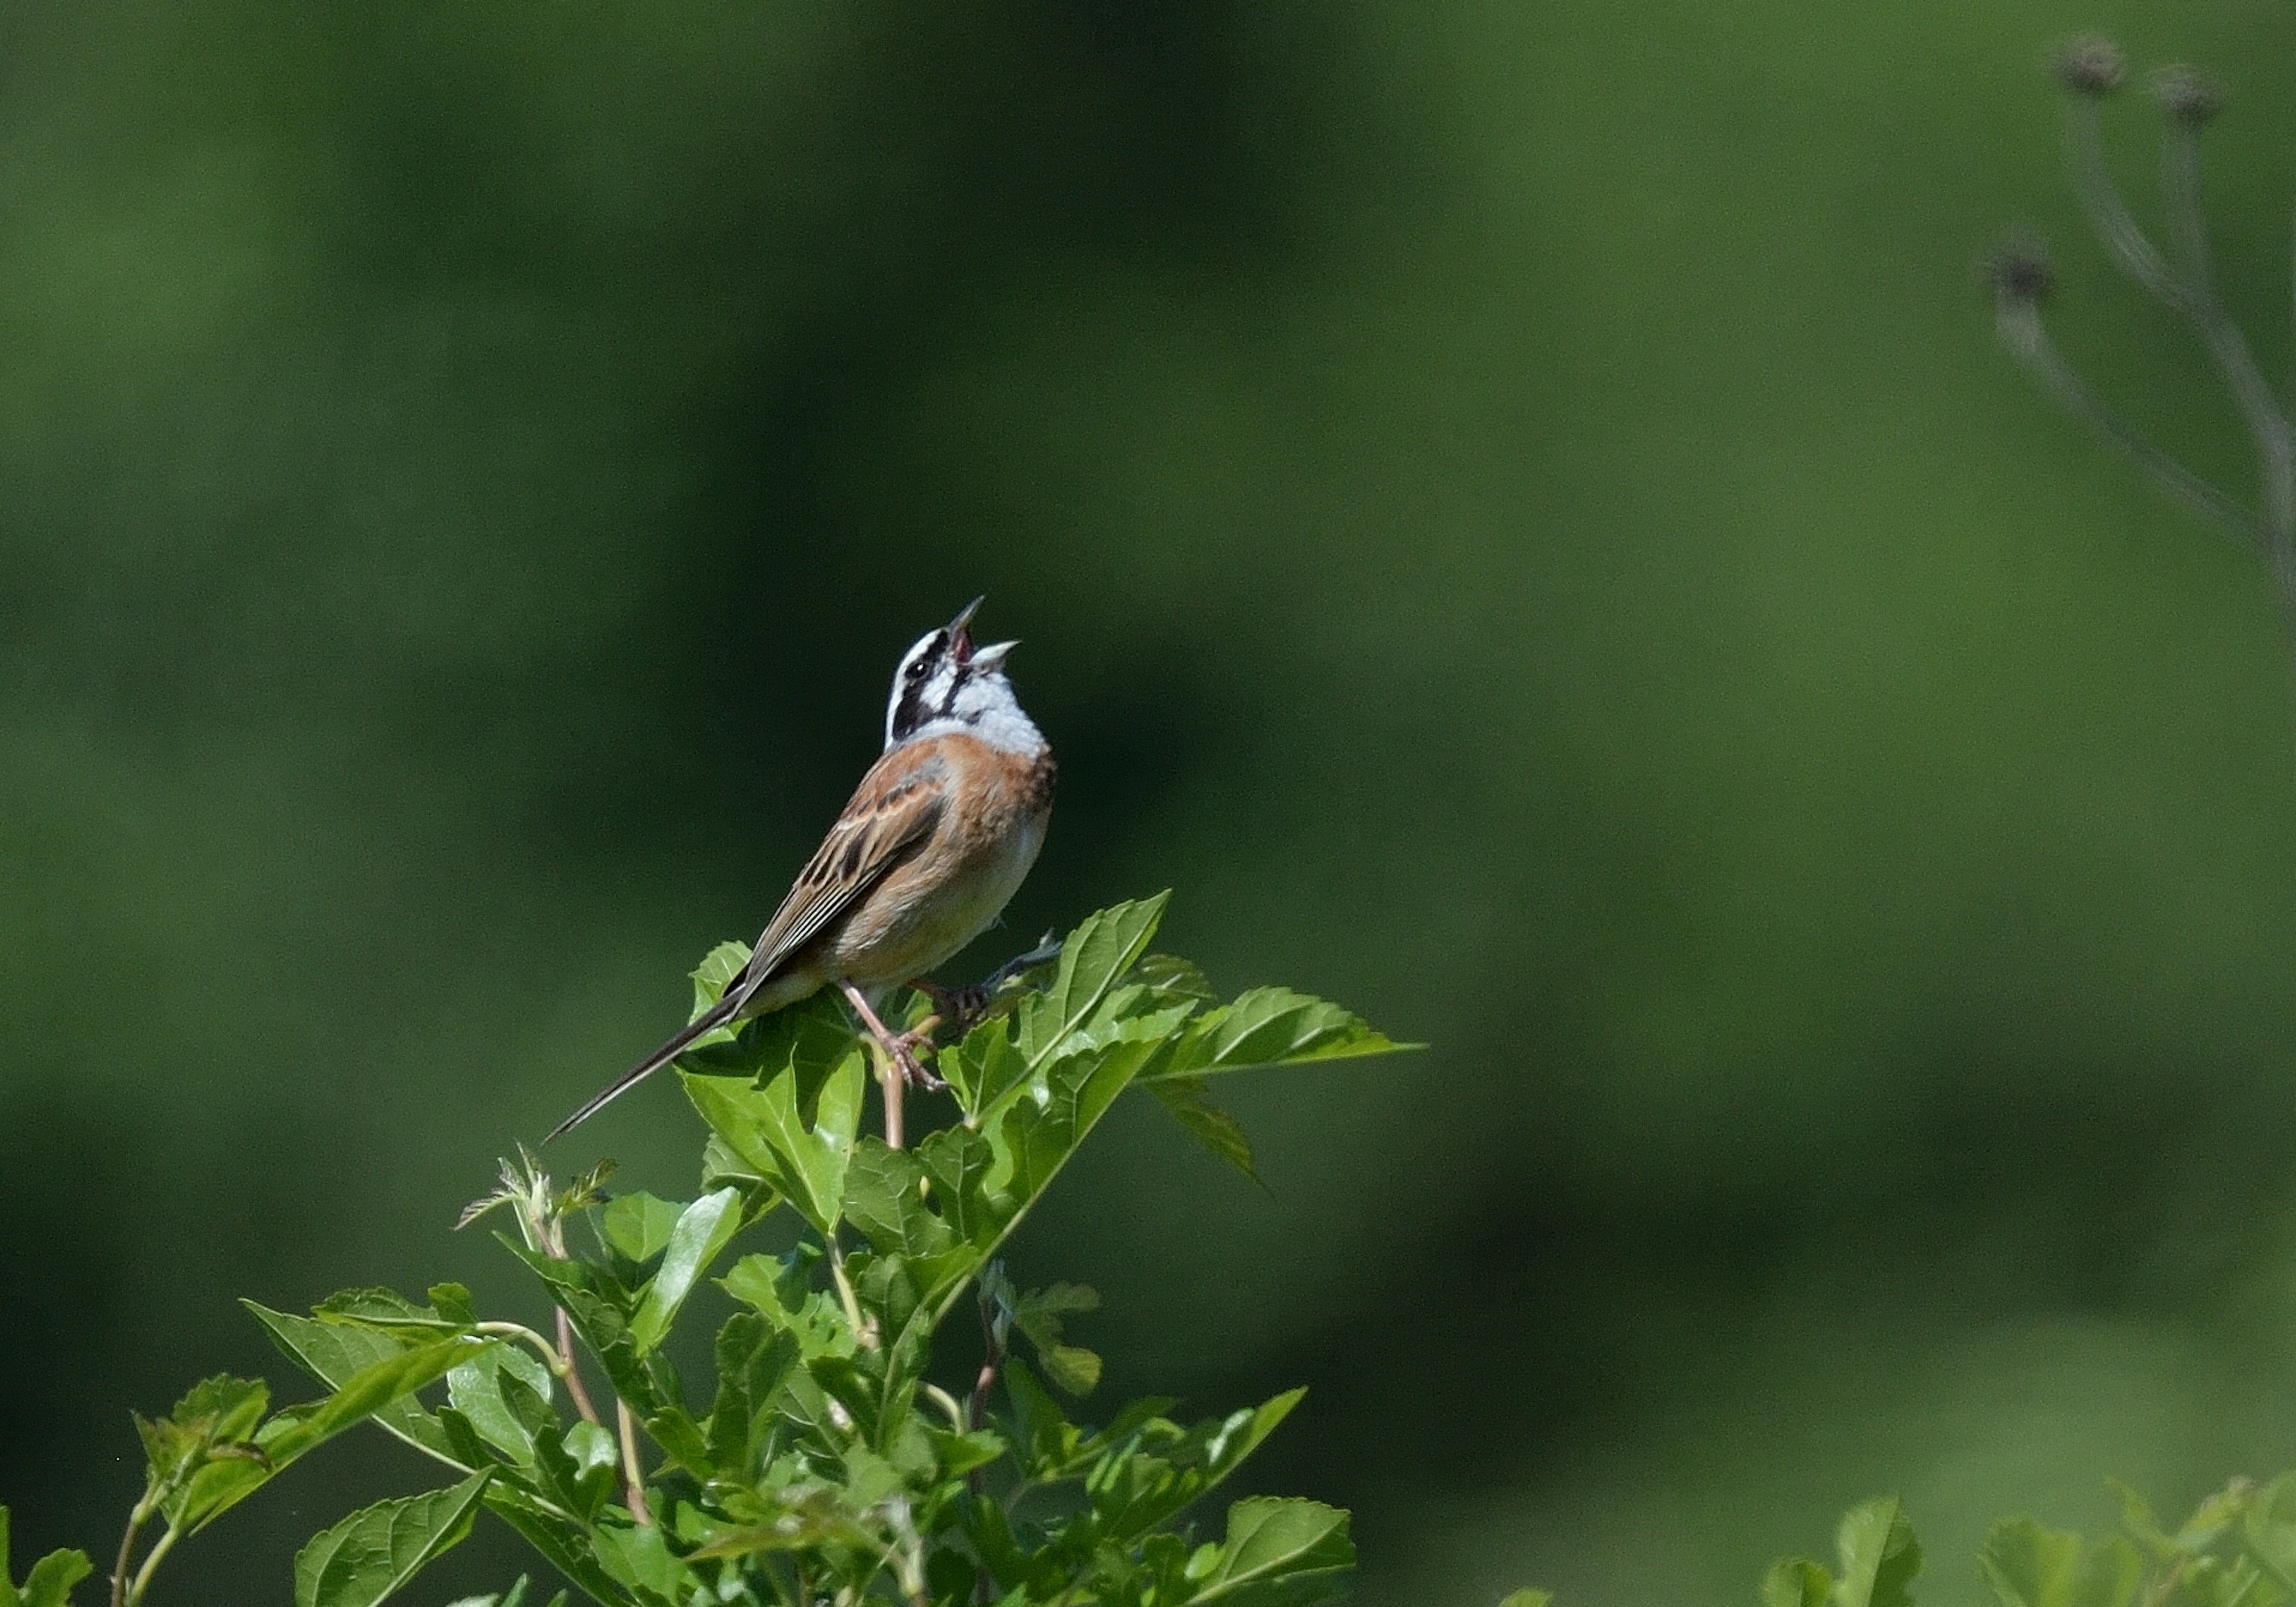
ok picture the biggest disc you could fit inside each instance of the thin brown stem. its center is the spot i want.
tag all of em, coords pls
(573, 1374)
(137, 1516)
(891, 1072)
(633, 1482)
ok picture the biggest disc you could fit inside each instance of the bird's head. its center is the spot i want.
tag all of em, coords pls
(946, 682)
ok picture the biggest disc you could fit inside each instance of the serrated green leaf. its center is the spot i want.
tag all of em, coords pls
(370, 1555)
(703, 1230)
(765, 1127)
(475, 1389)
(51, 1580)
(225, 1480)
(959, 1161)
(564, 1543)
(640, 1556)
(333, 1354)
(1102, 948)
(2030, 1566)
(1796, 1582)
(1879, 1555)
(229, 1473)
(1271, 1027)
(1286, 1552)
(638, 1224)
(885, 1198)
(1189, 1100)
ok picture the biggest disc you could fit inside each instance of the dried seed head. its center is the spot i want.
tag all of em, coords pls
(2018, 273)
(2186, 94)
(2088, 64)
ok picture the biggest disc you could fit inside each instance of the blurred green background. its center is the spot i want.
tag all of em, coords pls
(1514, 511)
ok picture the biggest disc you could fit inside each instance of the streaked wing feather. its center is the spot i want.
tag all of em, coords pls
(889, 816)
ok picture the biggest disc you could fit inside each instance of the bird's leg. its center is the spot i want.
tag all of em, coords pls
(900, 1047)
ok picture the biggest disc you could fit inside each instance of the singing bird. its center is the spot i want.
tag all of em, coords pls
(938, 836)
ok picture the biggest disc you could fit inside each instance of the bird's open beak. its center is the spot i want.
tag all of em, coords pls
(959, 635)
(992, 657)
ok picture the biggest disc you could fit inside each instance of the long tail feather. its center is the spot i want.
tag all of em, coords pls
(715, 1016)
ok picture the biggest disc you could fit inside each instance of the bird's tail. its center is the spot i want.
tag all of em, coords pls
(709, 1020)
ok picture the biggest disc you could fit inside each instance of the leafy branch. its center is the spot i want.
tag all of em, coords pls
(828, 1463)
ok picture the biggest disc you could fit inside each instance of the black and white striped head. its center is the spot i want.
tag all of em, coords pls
(947, 684)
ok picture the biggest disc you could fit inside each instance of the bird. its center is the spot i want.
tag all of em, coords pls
(940, 833)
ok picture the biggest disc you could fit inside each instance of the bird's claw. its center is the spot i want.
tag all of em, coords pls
(904, 1050)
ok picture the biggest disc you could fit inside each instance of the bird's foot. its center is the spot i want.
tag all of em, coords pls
(903, 1051)
(965, 1008)
(960, 1008)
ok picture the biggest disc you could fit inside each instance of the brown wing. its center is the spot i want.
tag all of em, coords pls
(895, 808)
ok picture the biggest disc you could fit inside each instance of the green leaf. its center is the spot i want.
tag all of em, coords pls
(1188, 1099)
(475, 1389)
(1101, 950)
(333, 1354)
(365, 1393)
(50, 1582)
(885, 1198)
(577, 1468)
(1284, 1552)
(1272, 1027)
(371, 1553)
(1069, 1368)
(515, 1596)
(2269, 1529)
(225, 1480)
(638, 1224)
(1146, 1474)
(2030, 1566)
(765, 1127)
(641, 1556)
(1879, 1556)
(703, 1230)
(563, 1542)
(1796, 1582)
(722, 964)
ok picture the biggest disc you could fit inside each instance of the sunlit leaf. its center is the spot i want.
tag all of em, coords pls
(638, 1224)
(703, 1230)
(1796, 1582)
(1879, 1556)
(475, 1389)
(2030, 1566)
(370, 1555)
(333, 1354)
(765, 1127)
(1099, 951)
(1271, 1027)
(1286, 1552)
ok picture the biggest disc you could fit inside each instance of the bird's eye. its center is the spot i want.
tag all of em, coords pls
(916, 669)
